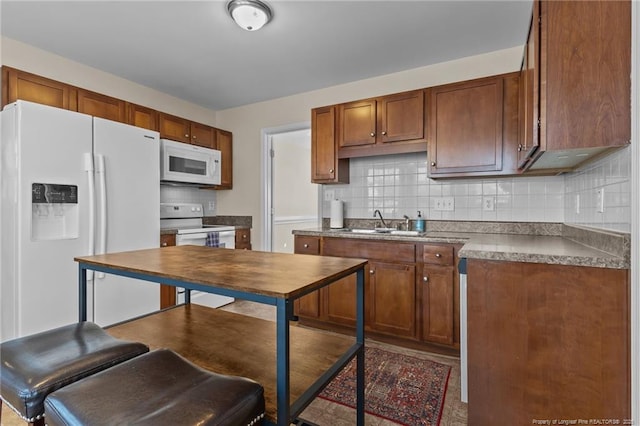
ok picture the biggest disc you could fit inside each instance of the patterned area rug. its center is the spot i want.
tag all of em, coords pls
(400, 388)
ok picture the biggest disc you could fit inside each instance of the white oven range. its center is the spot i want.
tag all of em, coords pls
(186, 219)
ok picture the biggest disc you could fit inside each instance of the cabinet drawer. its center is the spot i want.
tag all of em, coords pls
(167, 240)
(386, 251)
(437, 255)
(307, 245)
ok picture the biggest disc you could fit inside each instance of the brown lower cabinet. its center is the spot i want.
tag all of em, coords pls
(243, 239)
(547, 342)
(399, 303)
(167, 292)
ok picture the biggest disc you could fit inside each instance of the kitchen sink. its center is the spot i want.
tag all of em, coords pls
(391, 231)
(363, 231)
(407, 233)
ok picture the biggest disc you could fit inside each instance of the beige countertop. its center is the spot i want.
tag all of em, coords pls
(549, 249)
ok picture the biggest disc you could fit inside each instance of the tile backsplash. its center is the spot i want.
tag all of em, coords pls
(398, 185)
(612, 175)
(185, 194)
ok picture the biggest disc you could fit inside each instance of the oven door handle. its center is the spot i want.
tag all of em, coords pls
(184, 237)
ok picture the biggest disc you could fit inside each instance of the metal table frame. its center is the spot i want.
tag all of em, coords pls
(284, 311)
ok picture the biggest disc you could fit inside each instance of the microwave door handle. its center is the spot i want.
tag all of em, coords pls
(216, 164)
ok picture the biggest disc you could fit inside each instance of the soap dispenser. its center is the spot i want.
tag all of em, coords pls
(419, 222)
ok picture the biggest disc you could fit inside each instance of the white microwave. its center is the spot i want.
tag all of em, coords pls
(180, 162)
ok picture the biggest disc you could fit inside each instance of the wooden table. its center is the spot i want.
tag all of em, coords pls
(238, 345)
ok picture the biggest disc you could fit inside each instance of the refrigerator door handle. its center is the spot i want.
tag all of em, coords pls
(88, 167)
(100, 171)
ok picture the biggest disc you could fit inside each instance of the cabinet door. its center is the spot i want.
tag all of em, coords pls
(243, 239)
(437, 303)
(309, 305)
(174, 128)
(102, 106)
(203, 135)
(401, 117)
(465, 126)
(341, 301)
(391, 303)
(537, 332)
(584, 78)
(530, 92)
(357, 124)
(325, 166)
(224, 143)
(141, 116)
(29, 87)
(167, 292)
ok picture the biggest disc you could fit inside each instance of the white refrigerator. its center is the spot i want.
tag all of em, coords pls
(72, 185)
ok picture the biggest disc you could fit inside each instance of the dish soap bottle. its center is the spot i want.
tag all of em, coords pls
(419, 223)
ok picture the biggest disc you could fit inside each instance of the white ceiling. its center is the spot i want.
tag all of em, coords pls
(194, 51)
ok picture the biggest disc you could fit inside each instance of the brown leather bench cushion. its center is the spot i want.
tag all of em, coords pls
(159, 388)
(36, 365)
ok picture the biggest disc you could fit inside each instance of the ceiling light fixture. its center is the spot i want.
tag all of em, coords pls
(250, 15)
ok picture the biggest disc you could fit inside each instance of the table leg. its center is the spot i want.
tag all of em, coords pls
(360, 355)
(82, 292)
(283, 313)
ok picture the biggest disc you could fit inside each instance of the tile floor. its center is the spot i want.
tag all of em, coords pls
(325, 413)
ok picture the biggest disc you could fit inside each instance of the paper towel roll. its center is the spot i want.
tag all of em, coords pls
(337, 211)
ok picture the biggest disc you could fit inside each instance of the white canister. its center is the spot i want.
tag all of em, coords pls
(337, 214)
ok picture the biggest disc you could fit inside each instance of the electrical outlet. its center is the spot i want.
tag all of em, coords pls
(438, 204)
(448, 204)
(488, 204)
(329, 194)
(600, 200)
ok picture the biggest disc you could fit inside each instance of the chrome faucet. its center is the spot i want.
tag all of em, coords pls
(380, 214)
(406, 222)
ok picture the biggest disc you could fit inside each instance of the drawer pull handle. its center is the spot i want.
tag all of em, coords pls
(164, 244)
(306, 246)
(433, 164)
(371, 271)
(438, 255)
(372, 134)
(425, 279)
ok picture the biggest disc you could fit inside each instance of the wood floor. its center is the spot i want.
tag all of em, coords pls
(325, 413)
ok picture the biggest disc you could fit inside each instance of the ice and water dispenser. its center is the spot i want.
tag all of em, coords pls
(54, 212)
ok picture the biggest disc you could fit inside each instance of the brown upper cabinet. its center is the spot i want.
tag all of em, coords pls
(182, 130)
(174, 128)
(141, 116)
(18, 84)
(224, 143)
(102, 106)
(325, 166)
(465, 126)
(385, 125)
(203, 135)
(577, 66)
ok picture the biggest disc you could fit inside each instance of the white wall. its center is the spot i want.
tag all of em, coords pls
(247, 122)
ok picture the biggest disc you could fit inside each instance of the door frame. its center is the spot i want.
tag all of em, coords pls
(266, 136)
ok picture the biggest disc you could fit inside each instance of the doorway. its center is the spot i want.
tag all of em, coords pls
(291, 201)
